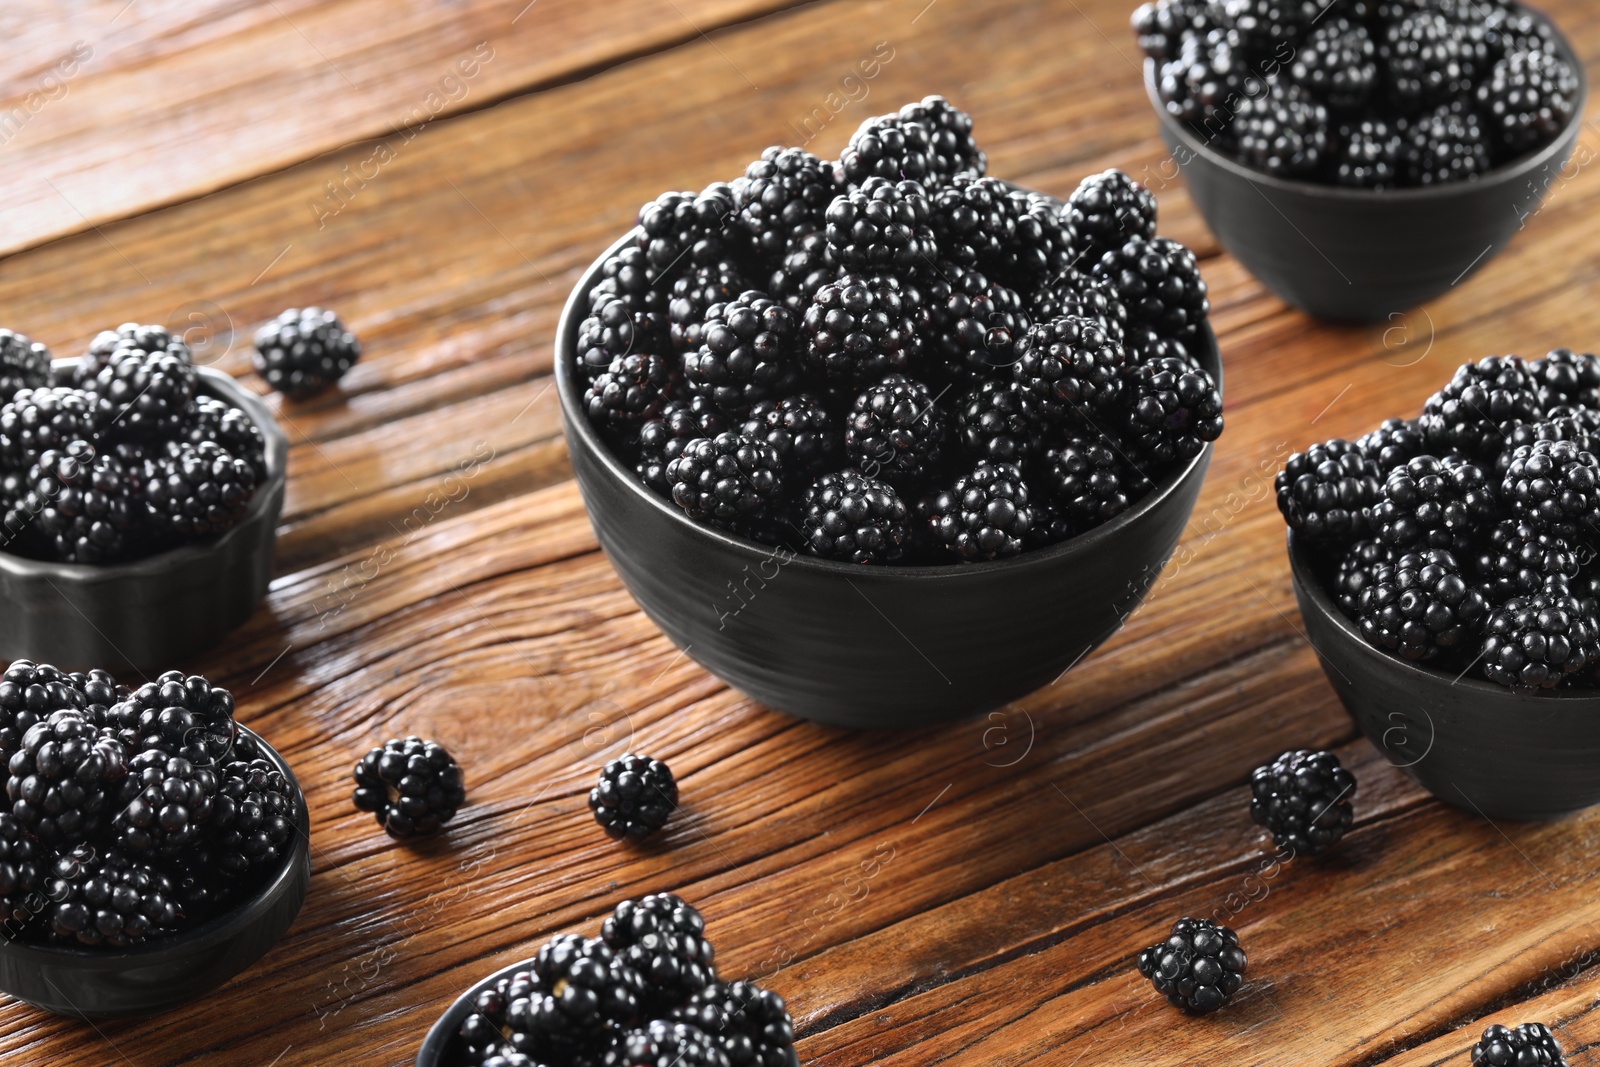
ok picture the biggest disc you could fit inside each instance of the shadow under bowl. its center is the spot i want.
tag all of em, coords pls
(156, 977)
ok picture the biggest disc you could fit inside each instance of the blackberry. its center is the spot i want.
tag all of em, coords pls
(986, 515)
(634, 797)
(882, 224)
(197, 491)
(107, 344)
(144, 394)
(1283, 131)
(1159, 282)
(930, 140)
(1108, 210)
(801, 428)
(487, 1032)
(1173, 410)
(1430, 503)
(662, 438)
(1327, 492)
(1528, 1045)
(84, 505)
(612, 331)
(990, 422)
(1197, 968)
(1088, 478)
(630, 392)
(1069, 368)
(731, 480)
(1041, 244)
(696, 292)
(1534, 642)
(747, 353)
(1429, 58)
(63, 776)
(24, 364)
(751, 1024)
(1527, 101)
(29, 692)
(682, 229)
(1206, 83)
(211, 419)
(1469, 416)
(665, 1044)
(1420, 606)
(807, 266)
(1358, 569)
(1371, 155)
(897, 432)
(954, 150)
(200, 889)
(1510, 29)
(1555, 487)
(1338, 63)
(1074, 295)
(663, 939)
(1303, 800)
(36, 420)
(21, 865)
(857, 329)
(162, 804)
(1515, 559)
(1265, 26)
(583, 994)
(783, 195)
(1162, 25)
(252, 816)
(628, 276)
(851, 517)
(412, 786)
(1565, 378)
(1447, 144)
(180, 716)
(108, 899)
(304, 351)
(972, 221)
(968, 324)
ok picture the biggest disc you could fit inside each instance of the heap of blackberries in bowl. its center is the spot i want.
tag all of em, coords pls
(1464, 539)
(1374, 94)
(894, 359)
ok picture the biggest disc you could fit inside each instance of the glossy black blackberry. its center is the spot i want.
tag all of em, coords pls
(1172, 411)
(252, 816)
(1527, 100)
(1267, 26)
(1073, 294)
(1471, 414)
(1432, 503)
(985, 515)
(751, 1024)
(972, 221)
(106, 898)
(36, 420)
(731, 480)
(806, 266)
(487, 1032)
(197, 491)
(1205, 83)
(897, 432)
(682, 229)
(1338, 63)
(748, 353)
(881, 225)
(663, 939)
(851, 517)
(955, 151)
(1159, 282)
(129, 336)
(1565, 378)
(145, 395)
(627, 275)
(1302, 798)
(1371, 154)
(179, 715)
(1420, 606)
(662, 438)
(1554, 486)
(783, 195)
(927, 141)
(63, 776)
(1283, 131)
(1447, 144)
(200, 888)
(1087, 478)
(1070, 369)
(304, 351)
(612, 331)
(1358, 568)
(1528, 1045)
(1535, 642)
(162, 804)
(1509, 29)
(412, 786)
(630, 392)
(634, 797)
(1042, 243)
(858, 329)
(694, 293)
(82, 505)
(1197, 968)
(22, 865)
(991, 423)
(1162, 25)
(1429, 57)
(969, 325)
(24, 364)
(1515, 559)
(211, 419)
(29, 692)
(1108, 210)
(665, 1044)
(808, 438)
(1327, 492)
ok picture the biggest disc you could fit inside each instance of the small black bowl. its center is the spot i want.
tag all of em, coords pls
(1357, 255)
(862, 645)
(440, 1046)
(149, 979)
(154, 612)
(1480, 746)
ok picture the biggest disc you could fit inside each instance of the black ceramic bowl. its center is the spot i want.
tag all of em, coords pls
(1471, 743)
(153, 978)
(440, 1045)
(1353, 254)
(860, 645)
(153, 613)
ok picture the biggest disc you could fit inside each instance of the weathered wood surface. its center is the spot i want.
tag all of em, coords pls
(1018, 862)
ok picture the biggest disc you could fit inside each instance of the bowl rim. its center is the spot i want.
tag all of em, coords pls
(213, 931)
(438, 1037)
(1306, 581)
(576, 423)
(1504, 174)
(215, 383)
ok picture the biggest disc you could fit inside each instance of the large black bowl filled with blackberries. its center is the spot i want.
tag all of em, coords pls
(139, 501)
(885, 451)
(150, 848)
(1446, 570)
(1362, 156)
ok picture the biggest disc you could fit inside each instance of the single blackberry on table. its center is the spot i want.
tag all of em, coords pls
(1283, 131)
(22, 865)
(783, 195)
(1430, 503)
(1108, 210)
(1527, 100)
(1564, 378)
(731, 480)
(1358, 569)
(1371, 154)
(985, 515)
(663, 939)
(1535, 642)
(634, 797)
(1042, 243)
(1303, 800)
(180, 715)
(1470, 415)
(1173, 410)
(83, 505)
(800, 427)
(1528, 1045)
(897, 432)
(304, 351)
(665, 1044)
(882, 224)
(1420, 606)
(24, 364)
(63, 776)
(1447, 144)
(612, 331)
(1327, 492)
(162, 804)
(211, 419)
(1159, 282)
(1162, 25)
(1555, 487)
(36, 420)
(1515, 559)
(969, 325)
(412, 786)
(682, 229)
(1087, 478)
(197, 491)
(29, 692)
(1069, 368)
(857, 329)
(747, 353)
(628, 276)
(972, 221)
(661, 439)
(991, 423)
(751, 1024)
(107, 344)
(252, 816)
(144, 395)
(1197, 968)
(630, 392)
(694, 293)
(1429, 57)
(107, 898)
(807, 266)
(1073, 294)
(1338, 63)
(851, 517)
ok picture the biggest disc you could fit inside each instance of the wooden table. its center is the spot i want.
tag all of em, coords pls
(439, 174)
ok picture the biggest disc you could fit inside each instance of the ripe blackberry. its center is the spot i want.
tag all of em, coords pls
(1205, 83)
(162, 804)
(181, 716)
(1088, 479)
(1264, 26)
(1108, 210)
(1197, 968)
(21, 868)
(1173, 410)
(954, 150)
(662, 438)
(1527, 100)
(1515, 559)
(986, 515)
(857, 329)
(896, 432)
(801, 428)
(1042, 243)
(1510, 29)
(612, 331)
(1429, 57)
(304, 351)
(627, 275)
(699, 289)
(252, 816)
(24, 364)
(783, 195)
(972, 221)
(882, 224)
(1303, 800)
(682, 229)
(751, 1024)
(807, 266)
(1162, 25)
(29, 692)
(1534, 642)
(106, 898)
(968, 324)
(1371, 154)
(36, 420)
(1447, 144)
(1327, 492)
(630, 392)
(145, 395)
(197, 491)
(1421, 606)
(930, 141)
(1072, 294)
(1565, 378)
(1283, 131)
(1069, 368)
(107, 344)
(634, 797)
(851, 517)
(1555, 487)
(63, 776)
(747, 353)
(731, 480)
(663, 939)
(583, 994)
(1528, 1045)
(211, 419)
(1430, 503)
(83, 505)
(1358, 569)
(990, 422)
(1338, 63)
(412, 786)
(487, 1032)
(1470, 415)
(1159, 282)
(665, 1044)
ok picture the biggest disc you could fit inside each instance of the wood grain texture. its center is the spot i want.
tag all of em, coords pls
(1018, 862)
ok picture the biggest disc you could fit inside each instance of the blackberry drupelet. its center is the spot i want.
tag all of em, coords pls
(662, 438)
(985, 515)
(304, 351)
(751, 1024)
(1302, 798)
(731, 480)
(21, 868)
(881, 225)
(129, 336)
(1197, 968)
(634, 797)
(663, 939)
(1283, 131)
(197, 491)
(1421, 606)
(627, 275)
(807, 266)
(802, 429)
(63, 776)
(858, 329)
(1070, 369)
(991, 423)
(1430, 503)
(1527, 100)
(1159, 282)
(1429, 57)
(1566, 378)
(1327, 492)
(1041, 245)
(1554, 486)
(851, 517)
(1072, 294)
(972, 221)
(144, 395)
(1537, 641)
(694, 293)
(1470, 415)
(24, 364)
(1447, 144)
(1528, 1045)
(1338, 63)
(612, 331)
(783, 195)
(181, 716)
(1108, 210)
(107, 898)
(1371, 154)
(897, 432)
(1088, 479)
(211, 419)
(412, 786)
(162, 804)
(83, 506)
(969, 325)
(252, 816)
(1358, 569)
(748, 353)
(630, 392)
(36, 420)
(665, 1044)
(1515, 559)
(682, 229)
(1173, 410)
